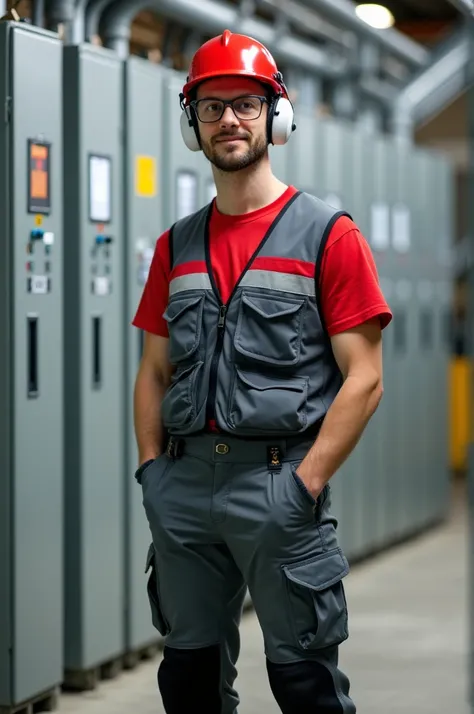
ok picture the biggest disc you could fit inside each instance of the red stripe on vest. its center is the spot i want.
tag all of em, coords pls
(189, 268)
(285, 265)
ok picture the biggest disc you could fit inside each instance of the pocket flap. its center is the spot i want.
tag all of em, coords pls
(261, 382)
(320, 572)
(271, 307)
(177, 306)
(149, 557)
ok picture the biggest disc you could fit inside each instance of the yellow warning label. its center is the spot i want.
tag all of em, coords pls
(39, 220)
(145, 176)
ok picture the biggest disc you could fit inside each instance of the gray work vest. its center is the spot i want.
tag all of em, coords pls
(261, 365)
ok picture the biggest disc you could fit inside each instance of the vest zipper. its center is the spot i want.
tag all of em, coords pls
(211, 399)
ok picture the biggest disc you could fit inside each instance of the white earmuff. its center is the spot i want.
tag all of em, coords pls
(282, 121)
(188, 131)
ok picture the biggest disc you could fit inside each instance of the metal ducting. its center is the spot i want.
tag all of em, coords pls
(342, 12)
(210, 16)
(95, 8)
(59, 12)
(433, 89)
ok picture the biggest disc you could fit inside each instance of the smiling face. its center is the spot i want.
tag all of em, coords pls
(232, 143)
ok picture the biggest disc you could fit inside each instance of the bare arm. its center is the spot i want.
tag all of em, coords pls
(358, 353)
(153, 378)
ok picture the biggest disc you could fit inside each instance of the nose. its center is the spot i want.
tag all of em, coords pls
(228, 118)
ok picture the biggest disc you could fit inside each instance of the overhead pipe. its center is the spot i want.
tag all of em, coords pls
(433, 89)
(59, 12)
(210, 16)
(342, 12)
(38, 13)
(77, 27)
(307, 19)
(94, 11)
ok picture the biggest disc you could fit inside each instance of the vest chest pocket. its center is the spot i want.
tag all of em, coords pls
(269, 328)
(184, 318)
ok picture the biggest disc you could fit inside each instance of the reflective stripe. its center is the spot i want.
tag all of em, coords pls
(193, 281)
(285, 282)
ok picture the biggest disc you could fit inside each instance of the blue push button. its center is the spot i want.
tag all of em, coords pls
(37, 234)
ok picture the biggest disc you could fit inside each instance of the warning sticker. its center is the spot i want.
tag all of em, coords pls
(145, 176)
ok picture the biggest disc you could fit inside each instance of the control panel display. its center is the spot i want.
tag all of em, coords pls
(39, 179)
(100, 190)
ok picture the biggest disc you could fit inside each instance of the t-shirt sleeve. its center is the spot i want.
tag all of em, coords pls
(154, 299)
(349, 284)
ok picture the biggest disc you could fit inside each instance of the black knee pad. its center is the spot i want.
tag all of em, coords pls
(190, 680)
(308, 687)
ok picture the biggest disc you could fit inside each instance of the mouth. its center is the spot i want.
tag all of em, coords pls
(229, 139)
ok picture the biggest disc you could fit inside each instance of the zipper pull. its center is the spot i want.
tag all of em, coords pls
(222, 312)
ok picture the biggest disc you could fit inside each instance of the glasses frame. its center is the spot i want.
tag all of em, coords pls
(229, 103)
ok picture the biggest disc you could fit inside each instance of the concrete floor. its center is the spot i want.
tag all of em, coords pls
(407, 653)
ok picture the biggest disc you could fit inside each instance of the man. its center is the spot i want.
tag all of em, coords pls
(262, 365)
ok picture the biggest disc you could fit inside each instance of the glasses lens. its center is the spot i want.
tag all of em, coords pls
(247, 107)
(209, 110)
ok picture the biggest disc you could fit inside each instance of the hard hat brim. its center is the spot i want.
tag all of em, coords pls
(244, 73)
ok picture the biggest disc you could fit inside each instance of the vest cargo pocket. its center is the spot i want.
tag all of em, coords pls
(269, 328)
(157, 616)
(179, 405)
(266, 404)
(184, 317)
(317, 601)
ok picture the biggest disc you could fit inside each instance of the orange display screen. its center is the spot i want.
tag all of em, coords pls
(38, 177)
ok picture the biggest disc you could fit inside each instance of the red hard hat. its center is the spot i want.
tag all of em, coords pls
(233, 55)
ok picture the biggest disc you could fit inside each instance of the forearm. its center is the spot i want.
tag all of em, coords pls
(148, 395)
(343, 426)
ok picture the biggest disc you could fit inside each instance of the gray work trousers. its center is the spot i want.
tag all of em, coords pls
(228, 514)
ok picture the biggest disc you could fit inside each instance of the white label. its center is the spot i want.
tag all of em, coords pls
(401, 238)
(48, 238)
(39, 284)
(101, 285)
(186, 198)
(99, 189)
(380, 226)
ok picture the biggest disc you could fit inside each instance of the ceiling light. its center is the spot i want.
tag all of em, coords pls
(377, 16)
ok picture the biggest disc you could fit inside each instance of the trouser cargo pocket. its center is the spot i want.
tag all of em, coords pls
(317, 601)
(157, 617)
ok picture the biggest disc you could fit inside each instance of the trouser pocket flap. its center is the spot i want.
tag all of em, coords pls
(157, 616)
(319, 572)
(317, 600)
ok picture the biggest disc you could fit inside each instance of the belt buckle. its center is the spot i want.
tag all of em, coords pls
(222, 449)
(274, 458)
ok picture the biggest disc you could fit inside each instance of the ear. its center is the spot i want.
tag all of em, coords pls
(189, 129)
(280, 121)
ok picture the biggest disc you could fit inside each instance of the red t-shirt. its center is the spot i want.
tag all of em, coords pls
(349, 286)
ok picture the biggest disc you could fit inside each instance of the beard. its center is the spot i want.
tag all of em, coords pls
(227, 159)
